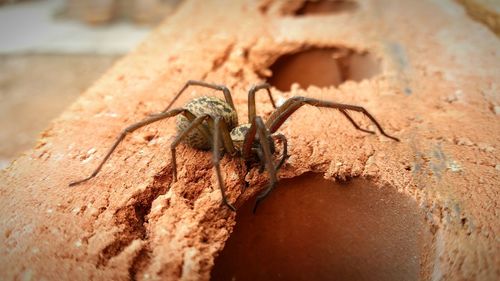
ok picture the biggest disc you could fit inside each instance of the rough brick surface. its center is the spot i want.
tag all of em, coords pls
(436, 91)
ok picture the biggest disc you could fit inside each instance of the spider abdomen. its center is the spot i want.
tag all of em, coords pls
(212, 106)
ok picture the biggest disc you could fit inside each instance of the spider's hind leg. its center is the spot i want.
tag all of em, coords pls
(125, 132)
(222, 88)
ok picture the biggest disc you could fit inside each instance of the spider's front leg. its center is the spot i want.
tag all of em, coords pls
(258, 128)
(221, 130)
(264, 137)
(284, 153)
(281, 114)
(252, 113)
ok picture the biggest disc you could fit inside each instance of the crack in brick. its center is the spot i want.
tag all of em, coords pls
(134, 218)
(139, 263)
(218, 62)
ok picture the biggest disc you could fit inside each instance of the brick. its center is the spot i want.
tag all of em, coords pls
(432, 81)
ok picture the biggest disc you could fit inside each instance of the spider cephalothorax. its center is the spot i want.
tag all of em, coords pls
(212, 123)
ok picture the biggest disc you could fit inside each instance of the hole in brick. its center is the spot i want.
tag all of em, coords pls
(322, 67)
(310, 228)
(322, 7)
(149, 138)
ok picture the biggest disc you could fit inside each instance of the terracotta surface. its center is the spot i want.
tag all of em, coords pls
(436, 89)
(315, 229)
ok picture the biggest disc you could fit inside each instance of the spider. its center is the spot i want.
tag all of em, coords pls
(210, 122)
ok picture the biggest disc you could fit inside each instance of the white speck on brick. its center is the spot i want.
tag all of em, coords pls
(294, 87)
(234, 176)
(280, 101)
(27, 275)
(454, 166)
(464, 141)
(163, 231)
(4, 163)
(486, 147)
(78, 243)
(497, 109)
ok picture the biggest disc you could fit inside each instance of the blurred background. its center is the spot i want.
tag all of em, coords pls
(52, 50)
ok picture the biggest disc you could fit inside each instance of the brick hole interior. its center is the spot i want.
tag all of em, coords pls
(322, 67)
(326, 7)
(314, 229)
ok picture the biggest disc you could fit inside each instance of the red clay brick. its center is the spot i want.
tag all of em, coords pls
(435, 88)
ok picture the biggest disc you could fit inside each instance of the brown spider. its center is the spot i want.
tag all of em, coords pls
(215, 119)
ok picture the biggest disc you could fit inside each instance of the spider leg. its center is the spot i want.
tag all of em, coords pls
(268, 157)
(354, 122)
(220, 129)
(285, 155)
(260, 155)
(264, 152)
(252, 110)
(291, 105)
(246, 150)
(129, 130)
(227, 142)
(224, 89)
(194, 124)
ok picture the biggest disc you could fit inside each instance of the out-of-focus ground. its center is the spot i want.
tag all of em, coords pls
(52, 50)
(36, 88)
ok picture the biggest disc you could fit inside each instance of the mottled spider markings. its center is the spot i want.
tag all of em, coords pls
(212, 106)
(210, 122)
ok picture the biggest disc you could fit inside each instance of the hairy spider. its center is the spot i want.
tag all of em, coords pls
(205, 121)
